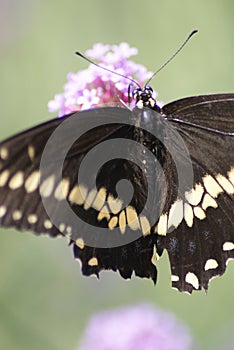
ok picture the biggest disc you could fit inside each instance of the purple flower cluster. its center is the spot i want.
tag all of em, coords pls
(94, 86)
(138, 327)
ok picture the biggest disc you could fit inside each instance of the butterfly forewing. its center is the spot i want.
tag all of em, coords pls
(21, 174)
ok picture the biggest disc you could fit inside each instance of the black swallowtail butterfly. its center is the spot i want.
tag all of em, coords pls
(179, 160)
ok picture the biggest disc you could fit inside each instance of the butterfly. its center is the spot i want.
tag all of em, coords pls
(125, 185)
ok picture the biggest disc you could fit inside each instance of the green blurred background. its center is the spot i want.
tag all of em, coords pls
(44, 300)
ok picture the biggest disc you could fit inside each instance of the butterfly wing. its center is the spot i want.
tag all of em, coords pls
(38, 177)
(21, 171)
(203, 242)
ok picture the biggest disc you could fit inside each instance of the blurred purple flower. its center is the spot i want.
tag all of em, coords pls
(141, 327)
(94, 86)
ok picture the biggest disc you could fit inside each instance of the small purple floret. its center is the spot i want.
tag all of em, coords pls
(141, 327)
(95, 87)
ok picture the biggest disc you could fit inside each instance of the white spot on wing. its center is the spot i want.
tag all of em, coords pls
(155, 256)
(69, 230)
(4, 153)
(47, 186)
(93, 262)
(80, 243)
(62, 227)
(175, 278)
(17, 180)
(208, 201)
(228, 246)
(32, 218)
(113, 222)
(62, 189)
(78, 194)
(100, 199)
(211, 186)
(132, 218)
(3, 210)
(122, 221)
(104, 213)
(115, 204)
(4, 177)
(145, 225)
(89, 199)
(188, 214)
(194, 196)
(31, 152)
(225, 184)
(211, 264)
(192, 279)
(48, 224)
(162, 225)
(175, 214)
(17, 215)
(32, 182)
(199, 213)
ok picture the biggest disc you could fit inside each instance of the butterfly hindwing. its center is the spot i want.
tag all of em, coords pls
(201, 252)
(134, 257)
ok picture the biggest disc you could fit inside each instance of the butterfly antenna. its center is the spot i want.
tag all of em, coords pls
(173, 56)
(106, 69)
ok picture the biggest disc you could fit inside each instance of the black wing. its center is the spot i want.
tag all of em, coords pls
(21, 172)
(203, 242)
(33, 194)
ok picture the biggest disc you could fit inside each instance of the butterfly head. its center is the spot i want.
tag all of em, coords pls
(144, 97)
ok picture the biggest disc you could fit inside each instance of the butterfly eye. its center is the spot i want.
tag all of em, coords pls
(147, 92)
(148, 88)
(136, 92)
